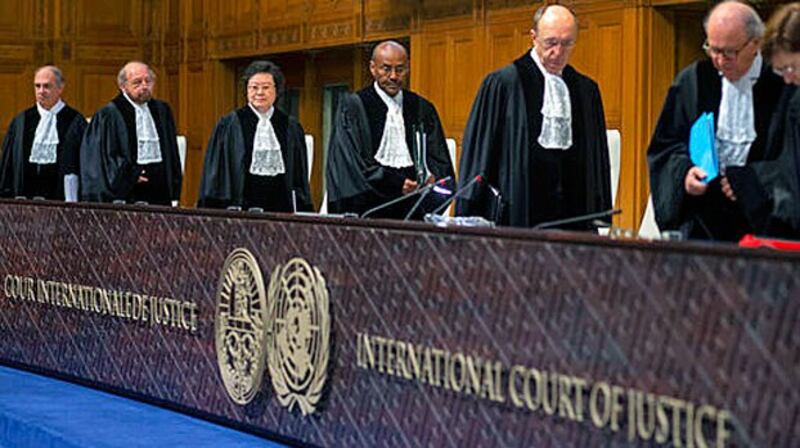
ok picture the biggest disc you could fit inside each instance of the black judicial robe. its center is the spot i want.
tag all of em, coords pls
(18, 177)
(768, 192)
(698, 89)
(535, 184)
(109, 170)
(356, 181)
(226, 174)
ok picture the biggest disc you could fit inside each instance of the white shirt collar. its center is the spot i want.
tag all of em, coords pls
(54, 110)
(397, 99)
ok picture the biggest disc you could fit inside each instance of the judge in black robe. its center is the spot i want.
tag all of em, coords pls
(110, 169)
(696, 90)
(501, 143)
(19, 176)
(356, 181)
(227, 179)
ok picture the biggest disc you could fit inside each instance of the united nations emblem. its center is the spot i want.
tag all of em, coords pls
(240, 326)
(299, 335)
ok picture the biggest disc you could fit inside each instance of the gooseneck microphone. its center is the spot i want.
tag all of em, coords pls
(577, 219)
(423, 190)
(475, 180)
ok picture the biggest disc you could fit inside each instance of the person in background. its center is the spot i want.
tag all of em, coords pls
(371, 155)
(42, 146)
(130, 151)
(738, 86)
(256, 156)
(537, 133)
(769, 192)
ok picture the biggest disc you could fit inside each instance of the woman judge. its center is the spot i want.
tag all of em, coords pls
(256, 157)
(769, 192)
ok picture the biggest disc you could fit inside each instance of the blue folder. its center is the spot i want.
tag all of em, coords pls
(702, 148)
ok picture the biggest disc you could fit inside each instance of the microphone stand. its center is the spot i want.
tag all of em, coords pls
(422, 190)
(476, 179)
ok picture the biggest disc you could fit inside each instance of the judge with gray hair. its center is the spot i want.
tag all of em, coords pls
(738, 86)
(130, 151)
(41, 147)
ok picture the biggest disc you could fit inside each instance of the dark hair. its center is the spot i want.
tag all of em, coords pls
(257, 67)
(783, 31)
(537, 16)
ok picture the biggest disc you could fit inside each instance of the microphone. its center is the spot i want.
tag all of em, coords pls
(577, 219)
(475, 180)
(440, 183)
(424, 189)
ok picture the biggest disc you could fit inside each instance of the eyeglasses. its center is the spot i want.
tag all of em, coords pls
(785, 70)
(260, 87)
(399, 69)
(552, 42)
(727, 53)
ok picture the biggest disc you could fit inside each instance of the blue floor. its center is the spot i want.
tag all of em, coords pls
(37, 411)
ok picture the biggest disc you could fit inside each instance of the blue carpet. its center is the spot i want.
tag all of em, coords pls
(37, 411)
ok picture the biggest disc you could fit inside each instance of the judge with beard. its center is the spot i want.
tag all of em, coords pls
(738, 86)
(374, 154)
(256, 156)
(41, 147)
(537, 134)
(130, 151)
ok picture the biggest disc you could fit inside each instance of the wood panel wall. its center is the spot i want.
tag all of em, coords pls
(630, 47)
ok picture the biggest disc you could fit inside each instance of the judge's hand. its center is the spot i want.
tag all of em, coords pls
(693, 183)
(430, 180)
(409, 186)
(727, 190)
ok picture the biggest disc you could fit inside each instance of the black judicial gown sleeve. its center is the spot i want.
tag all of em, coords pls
(297, 157)
(668, 153)
(108, 171)
(768, 192)
(12, 159)
(168, 141)
(594, 144)
(222, 184)
(494, 146)
(69, 158)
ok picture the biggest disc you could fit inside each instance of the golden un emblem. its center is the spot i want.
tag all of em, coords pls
(298, 340)
(240, 326)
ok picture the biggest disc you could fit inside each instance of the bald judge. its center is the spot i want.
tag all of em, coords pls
(130, 152)
(537, 133)
(374, 154)
(40, 149)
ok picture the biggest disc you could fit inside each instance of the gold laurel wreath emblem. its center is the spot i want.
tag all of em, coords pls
(239, 326)
(298, 340)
